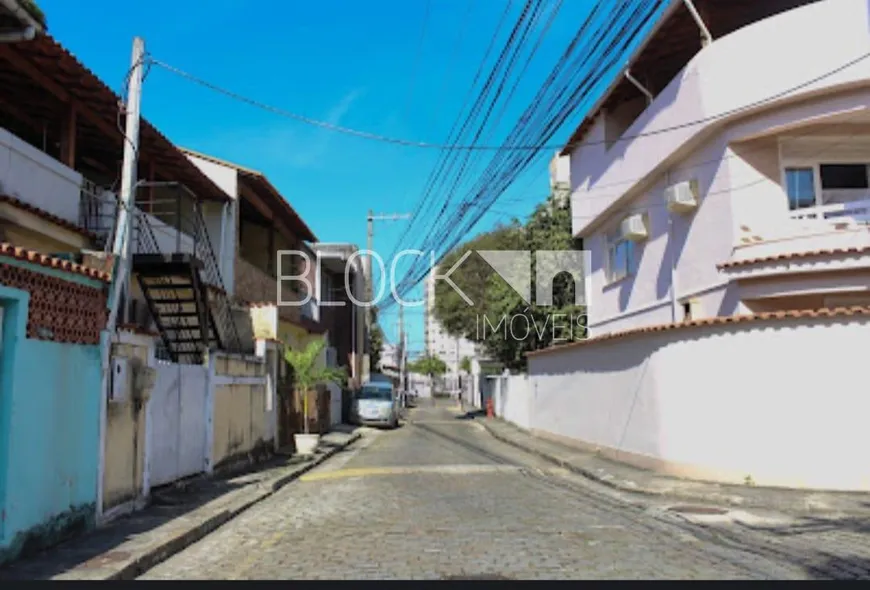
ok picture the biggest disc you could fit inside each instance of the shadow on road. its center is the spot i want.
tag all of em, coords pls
(472, 415)
(97, 548)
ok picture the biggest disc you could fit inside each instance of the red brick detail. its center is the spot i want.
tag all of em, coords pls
(35, 257)
(60, 311)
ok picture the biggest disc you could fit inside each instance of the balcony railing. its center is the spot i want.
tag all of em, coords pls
(857, 211)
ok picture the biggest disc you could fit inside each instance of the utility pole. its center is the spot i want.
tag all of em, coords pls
(370, 244)
(458, 377)
(401, 346)
(121, 246)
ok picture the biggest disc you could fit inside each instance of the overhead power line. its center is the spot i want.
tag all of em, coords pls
(586, 58)
(479, 116)
(765, 100)
(439, 146)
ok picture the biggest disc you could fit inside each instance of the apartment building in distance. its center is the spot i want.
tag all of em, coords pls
(439, 343)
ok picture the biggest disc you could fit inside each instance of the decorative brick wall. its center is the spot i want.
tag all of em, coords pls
(60, 310)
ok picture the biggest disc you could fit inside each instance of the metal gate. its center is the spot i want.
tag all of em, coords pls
(177, 414)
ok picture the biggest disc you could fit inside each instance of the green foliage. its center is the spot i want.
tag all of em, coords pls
(428, 365)
(35, 11)
(452, 311)
(465, 364)
(308, 373)
(377, 341)
(507, 327)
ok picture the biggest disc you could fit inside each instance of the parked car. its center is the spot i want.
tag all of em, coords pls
(376, 404)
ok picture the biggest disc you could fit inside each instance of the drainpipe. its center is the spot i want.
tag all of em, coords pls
(706, 37)
(121, 250)
(672, 258)
(27, 34)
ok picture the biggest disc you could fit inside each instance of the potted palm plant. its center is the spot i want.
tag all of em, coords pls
(308, 373)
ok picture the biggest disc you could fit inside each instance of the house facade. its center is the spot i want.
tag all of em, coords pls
(178, 388)
(340, 282)
(721, 188)
(261, 225)
(678, 198)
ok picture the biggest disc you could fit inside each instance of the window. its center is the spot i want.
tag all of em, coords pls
(843, 176)
(800, 186)
(620, 256)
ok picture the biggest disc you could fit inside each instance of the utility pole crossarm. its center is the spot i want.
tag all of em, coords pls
(370, 238)
(392, 217)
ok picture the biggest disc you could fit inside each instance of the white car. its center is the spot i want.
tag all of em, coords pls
(376, 404)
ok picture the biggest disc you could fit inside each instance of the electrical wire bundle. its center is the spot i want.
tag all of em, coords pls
(586, 62)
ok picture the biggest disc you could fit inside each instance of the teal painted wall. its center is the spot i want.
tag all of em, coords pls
(49, 433)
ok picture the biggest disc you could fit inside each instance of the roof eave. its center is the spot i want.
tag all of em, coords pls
(300, 227)
(593, 112)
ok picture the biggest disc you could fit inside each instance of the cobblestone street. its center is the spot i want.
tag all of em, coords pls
(441, 498)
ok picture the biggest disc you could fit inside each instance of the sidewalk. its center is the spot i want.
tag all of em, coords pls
(639, 481)
(176, 519)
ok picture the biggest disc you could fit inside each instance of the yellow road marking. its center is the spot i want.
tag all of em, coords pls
(248, 563)
(405, 470)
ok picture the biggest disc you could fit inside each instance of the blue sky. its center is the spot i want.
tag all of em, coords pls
(345, 61)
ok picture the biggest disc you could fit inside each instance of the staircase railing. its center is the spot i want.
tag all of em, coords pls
(98, 212)
(142, 236)
(186, 222)
(212, 275)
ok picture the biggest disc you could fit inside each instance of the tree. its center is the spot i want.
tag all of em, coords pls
(377, 341)
(429, 365)
(502, 322)
(465, 364)
(308, 372)
(472, 277)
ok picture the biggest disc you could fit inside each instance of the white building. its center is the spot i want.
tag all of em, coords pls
(722, 191)
(439, 343)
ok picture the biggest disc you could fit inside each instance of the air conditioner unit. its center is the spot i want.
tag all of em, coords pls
(682, 197)
(634, 228)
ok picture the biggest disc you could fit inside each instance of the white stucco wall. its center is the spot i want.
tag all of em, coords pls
(513, 399)
(789, 57)
(224, 177)
(227, 178)
(779, 401)
(36, 178)
(736, 160)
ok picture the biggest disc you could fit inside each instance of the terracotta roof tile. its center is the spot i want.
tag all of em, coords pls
(716, 321)
(63, 68)
(7, 249)
(15, 202)
(794, 256)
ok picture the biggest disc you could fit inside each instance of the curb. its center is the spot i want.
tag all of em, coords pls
(615, 485)
(164, 551)
(804, 503)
